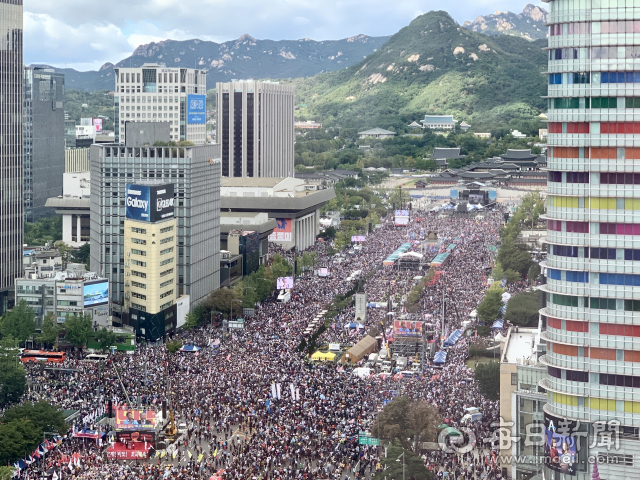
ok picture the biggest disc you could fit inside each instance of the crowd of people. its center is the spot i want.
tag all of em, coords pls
(237, 428)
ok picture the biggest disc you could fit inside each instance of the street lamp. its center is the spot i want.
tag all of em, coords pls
(398, 459)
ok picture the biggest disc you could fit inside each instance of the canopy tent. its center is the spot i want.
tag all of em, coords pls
(360, 350)
(373, 305)
(323, 356)
(473, 314)
(440, 357)
(451, 432)
(453, 338)
(353, 325)
(505, 297)
(503, 310)
(405, 247)
(411, 254)
(499, 324)
(439, 259)
(190, 348)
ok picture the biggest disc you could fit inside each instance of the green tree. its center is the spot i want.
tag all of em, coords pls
(6, 473)
(173, 346)
(106, 338)
(65, 250)
(43, 415)
(77, 329)
(533, 273)
(49, 330)
(399, 196)
(511, 276)
(191, 321)
(514, 257)
(523, 309)
(17, 439)
(82, 254)
(407, 422)
(489, 308)
(19, 323)
(414, 468)
(488, 378)
(220, 300)
(13, 382)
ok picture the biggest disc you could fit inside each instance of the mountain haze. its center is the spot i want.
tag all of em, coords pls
(432, 66)
(243, 58)
(529, 24)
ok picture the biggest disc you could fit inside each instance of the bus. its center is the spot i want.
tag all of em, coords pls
(42, 356)
(96, 357)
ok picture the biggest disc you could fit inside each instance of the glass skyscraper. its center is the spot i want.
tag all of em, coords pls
(11, 202)
(592, 299)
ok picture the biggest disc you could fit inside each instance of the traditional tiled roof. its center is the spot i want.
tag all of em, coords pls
(446, 153)
(439, 119)
(518, 155)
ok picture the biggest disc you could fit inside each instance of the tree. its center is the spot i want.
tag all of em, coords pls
(19, 323)
(6, 473)
(43, 415)
(511, 276)
(533, 273)
(220, 300)
(173, 346)
(65, 250)
(488, 378)
(82, 254)
(514, 257)
(414, 468)
(523, 309)
(77, 329)
(49, 330)
(191, 321)
(489, 308)
(106, 338)
(328, 234)
(13, 382)
(407, 422)
(399, 197)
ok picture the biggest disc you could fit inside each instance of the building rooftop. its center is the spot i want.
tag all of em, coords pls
(446, 153)
(519, 155)
(521, 345)
(439, 119)
(268, 182)
(377, 131)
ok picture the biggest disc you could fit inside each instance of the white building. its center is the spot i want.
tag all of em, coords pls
(155, 93)
(65, 293)
(439, 122)
(74, 203)
(256, 129)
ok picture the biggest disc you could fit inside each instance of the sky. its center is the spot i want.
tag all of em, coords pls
(85, 35)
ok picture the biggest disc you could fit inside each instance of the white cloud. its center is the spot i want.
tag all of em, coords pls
(69, 32)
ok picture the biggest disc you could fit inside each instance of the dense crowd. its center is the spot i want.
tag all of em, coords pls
(236, 429)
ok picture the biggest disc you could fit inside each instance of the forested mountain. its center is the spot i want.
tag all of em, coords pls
(432, 66)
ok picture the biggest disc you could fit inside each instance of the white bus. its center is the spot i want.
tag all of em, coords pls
(95, 357)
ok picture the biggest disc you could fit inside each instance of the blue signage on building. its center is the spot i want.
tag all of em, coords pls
(197, 109)
(138, 200)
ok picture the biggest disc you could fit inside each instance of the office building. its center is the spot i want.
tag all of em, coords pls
(592, 310)
(521, 398)
(255, 127)
(195, 173)
(293, 203)
(73, 205)
(11, 199)
(151, 259)
(155, 93)
(74, 291)
(44, 139)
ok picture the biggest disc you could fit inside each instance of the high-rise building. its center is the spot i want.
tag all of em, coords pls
(151, 258)
(255, 127)
(195, 173)
(155, 93)
(11, 200)
(44, 139)
(592, 292)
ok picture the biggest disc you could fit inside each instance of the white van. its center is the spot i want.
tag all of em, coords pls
(285, 296)
(95, 357)
(361, 372)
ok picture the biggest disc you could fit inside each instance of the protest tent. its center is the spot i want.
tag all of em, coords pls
(360, 350)
(499, 324)
(440, 357)
(453, 338)
(323, 356)
(190, 348)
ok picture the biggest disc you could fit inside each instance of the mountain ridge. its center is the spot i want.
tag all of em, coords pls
(528, 24)
(244, 57)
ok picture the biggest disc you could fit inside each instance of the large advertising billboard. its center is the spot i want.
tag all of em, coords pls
(358, 238)
(284, 282)
(97, 122)
(150, 203)
(401, 221)
(135, 419)
(402, 213)
(96, 293)
(560, 445)
(402, 328)
(197, 109)
(323, 272)
(282, 232)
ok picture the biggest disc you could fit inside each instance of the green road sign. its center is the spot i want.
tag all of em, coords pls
(368, 441)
